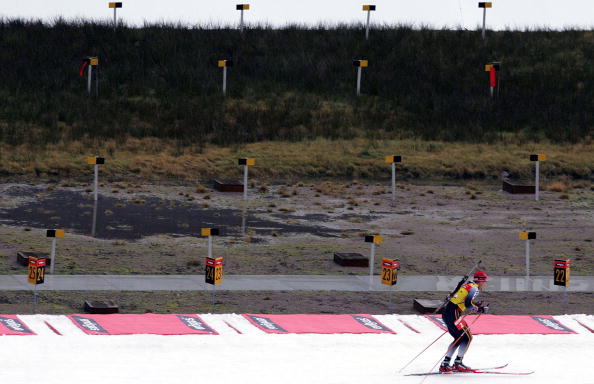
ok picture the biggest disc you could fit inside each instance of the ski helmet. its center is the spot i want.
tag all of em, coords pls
(480, 276)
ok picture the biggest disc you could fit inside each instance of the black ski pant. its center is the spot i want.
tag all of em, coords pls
(462, 337)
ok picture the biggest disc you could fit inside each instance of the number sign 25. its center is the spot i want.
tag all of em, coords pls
(36, 270)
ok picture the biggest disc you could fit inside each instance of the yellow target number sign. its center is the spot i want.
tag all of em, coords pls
(390, 269)
(36, 270)
(214, 270)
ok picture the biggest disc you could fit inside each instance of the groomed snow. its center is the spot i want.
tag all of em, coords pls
(253, 356)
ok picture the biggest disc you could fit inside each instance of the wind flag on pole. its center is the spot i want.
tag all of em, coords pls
(83, 66)
(493, 76)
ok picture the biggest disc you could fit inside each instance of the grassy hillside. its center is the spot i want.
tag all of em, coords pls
(292, 84)
(152, 158)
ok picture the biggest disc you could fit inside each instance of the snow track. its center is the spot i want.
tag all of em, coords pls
(242, 353)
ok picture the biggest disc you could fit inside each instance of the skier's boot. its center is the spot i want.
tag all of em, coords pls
(445, 365)
(459, 367)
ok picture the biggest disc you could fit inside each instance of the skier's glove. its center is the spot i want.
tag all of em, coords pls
(483, 308)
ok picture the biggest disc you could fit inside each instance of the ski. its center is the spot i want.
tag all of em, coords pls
(471, 372)
(476, 370)
(503, 373)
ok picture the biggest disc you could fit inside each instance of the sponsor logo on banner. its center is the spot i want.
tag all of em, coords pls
(266, 323)
(371, 323)
(439, 321)
(89, 324)
(14, 325)
(195, 323)
(552, 324)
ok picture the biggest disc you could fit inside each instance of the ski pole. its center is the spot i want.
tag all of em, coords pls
(419, 354)
(444, 332)
(451, 345)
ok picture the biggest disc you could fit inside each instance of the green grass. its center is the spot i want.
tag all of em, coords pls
(291, 84)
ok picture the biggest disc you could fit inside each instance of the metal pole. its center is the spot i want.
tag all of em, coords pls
(90, 75)
(210, 246)
(53, 255)
(96, 181)
(213, 299)
(35, 298)
(537, 180)
(527, 258)
(367, 29)
(565, 300)
(484, 21)
(224, 80)
(491, 89)
(393, 181)
(243, 220)
(358, 81)
(241, 21)
(94, 225)
(97, 82)
(213, 286)
(115, 23)
(245, 181)
(371, 265)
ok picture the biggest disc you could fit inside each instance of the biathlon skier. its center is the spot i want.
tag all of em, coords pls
(462, 299)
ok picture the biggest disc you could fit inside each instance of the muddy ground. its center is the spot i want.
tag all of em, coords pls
(295, 228)
(501, 303)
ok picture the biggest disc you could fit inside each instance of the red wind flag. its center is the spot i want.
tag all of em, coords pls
(492, 76)
(84, 64)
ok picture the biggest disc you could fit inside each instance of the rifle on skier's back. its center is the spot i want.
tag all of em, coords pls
(460, 284)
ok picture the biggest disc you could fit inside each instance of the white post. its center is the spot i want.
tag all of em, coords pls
(527, 258)
(243, 220)
(358, 81)
(97, 82)
(367, 29)
(213, 298)
(565, 300)
(209, 246)
(371, 265)
(393, 181)
(225, 80)
(90, 76)
(96, 181)
(94, 226)
(537, 179)
(484, 21)
(53, 256)
(35, 299)
(245, 181)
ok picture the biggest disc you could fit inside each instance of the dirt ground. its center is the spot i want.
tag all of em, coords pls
(295, 228)
(501, 303)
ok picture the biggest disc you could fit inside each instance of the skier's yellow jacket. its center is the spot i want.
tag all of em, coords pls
(465, 295)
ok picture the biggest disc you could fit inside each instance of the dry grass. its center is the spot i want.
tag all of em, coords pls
(558, 187)
(154, 158)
